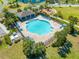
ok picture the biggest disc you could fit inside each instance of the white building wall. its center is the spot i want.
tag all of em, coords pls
(3, 30)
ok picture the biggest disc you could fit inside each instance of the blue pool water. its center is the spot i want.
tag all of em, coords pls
(31, 1)
(40, 27)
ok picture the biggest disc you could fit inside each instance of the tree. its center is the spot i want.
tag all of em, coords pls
(39, 51)
(19, 10)
(61, 42)
(25, 8)
(1, 1)
(10, 19)
(13, 3)
(73, 21)
(16, 1)
(42, 6)
(33, 50)
(67, 1)
(27, 46)
(5, 10)
(60, 38)
(66, 30)
(77, 1)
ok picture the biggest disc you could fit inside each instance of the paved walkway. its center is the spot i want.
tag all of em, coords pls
(63, 5)
(63, 20)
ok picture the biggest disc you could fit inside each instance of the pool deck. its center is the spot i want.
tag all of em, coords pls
(40, 38)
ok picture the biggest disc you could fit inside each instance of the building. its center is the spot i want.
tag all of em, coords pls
(25, 15)
(3, 30)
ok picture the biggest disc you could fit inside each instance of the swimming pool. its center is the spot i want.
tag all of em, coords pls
(40, 27)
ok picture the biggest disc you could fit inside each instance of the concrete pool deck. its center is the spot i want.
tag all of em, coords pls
(40, 38)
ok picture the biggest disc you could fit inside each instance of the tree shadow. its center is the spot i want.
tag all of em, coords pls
(62, 55)
(68, 43)
(38, 57)
(75, 33)
(65, 49)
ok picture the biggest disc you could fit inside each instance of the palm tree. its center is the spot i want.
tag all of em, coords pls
(60, 38)
(33, 50)
(13, 3)
(73, 21)
(11, 19)
(17, 5)
(27, 46)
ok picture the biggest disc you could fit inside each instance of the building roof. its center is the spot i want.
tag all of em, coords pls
(25, 13)
(49, 11)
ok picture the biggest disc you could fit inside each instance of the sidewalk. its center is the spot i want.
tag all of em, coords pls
(62, 20)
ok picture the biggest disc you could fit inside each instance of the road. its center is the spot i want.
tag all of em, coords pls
(63, 5)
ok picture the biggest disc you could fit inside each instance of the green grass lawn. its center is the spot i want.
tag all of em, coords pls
(68, 11)
(52, 52)
(15, 52)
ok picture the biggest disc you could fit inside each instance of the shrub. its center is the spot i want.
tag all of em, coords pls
(5, 10)
(25, 8)
(7, 40)
(19, 10)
